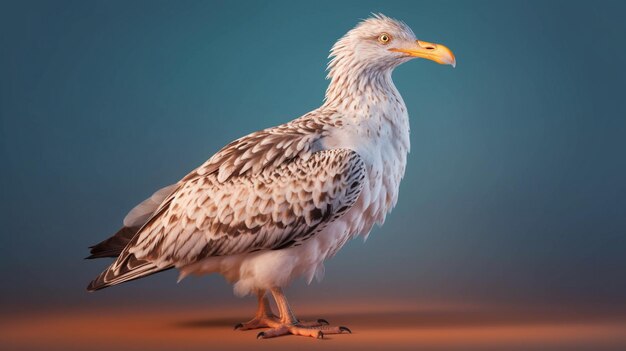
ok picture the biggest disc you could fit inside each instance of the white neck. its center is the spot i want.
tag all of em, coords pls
(368, 97)
(352, 83)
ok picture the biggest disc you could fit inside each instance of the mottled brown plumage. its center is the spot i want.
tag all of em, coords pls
(278, 208)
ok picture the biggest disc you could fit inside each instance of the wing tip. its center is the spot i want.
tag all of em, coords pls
(133, 269)
(114, 245)
(102, 254)
(95, 285)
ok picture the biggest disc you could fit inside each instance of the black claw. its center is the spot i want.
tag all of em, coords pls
(322, 321)
(345, 329)
(320, 335)
(238, 326)
(260, 335)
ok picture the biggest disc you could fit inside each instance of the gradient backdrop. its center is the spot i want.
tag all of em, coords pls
(514, 192)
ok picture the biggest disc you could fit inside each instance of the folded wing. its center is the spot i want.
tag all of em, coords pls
(208, 215)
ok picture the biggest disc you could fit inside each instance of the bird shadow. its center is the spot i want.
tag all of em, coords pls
(210, 322)
(448, 318)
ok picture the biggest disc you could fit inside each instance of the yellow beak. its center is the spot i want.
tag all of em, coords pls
(435, 52)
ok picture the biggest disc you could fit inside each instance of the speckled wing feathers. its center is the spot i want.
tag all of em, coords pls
(278, 208)
(252, 195)
(266, 148)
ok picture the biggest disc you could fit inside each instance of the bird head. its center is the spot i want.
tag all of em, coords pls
(383, 43)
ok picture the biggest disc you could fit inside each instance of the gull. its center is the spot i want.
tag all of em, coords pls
(273, 205)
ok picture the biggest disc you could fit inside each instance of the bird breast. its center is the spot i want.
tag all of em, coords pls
(381, 138)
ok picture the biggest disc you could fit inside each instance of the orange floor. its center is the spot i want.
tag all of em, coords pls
(383, 328)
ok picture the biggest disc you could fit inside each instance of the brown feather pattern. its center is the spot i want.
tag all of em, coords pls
(263, 195)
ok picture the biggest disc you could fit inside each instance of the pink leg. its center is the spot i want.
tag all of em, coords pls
(289, 324)
(264, 317)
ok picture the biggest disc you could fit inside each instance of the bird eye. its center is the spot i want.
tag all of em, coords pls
(384, 38)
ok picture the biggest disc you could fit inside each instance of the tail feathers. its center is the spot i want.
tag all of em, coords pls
(130, 268)
(113, 246)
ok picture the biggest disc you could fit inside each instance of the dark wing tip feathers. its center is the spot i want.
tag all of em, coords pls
(103, 254)
(93, 286)
(113, 246)
(127, 267)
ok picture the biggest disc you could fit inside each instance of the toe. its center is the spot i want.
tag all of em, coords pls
(272, 333)
(306, 331)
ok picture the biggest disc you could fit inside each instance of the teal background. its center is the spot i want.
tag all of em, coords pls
(515, 188)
